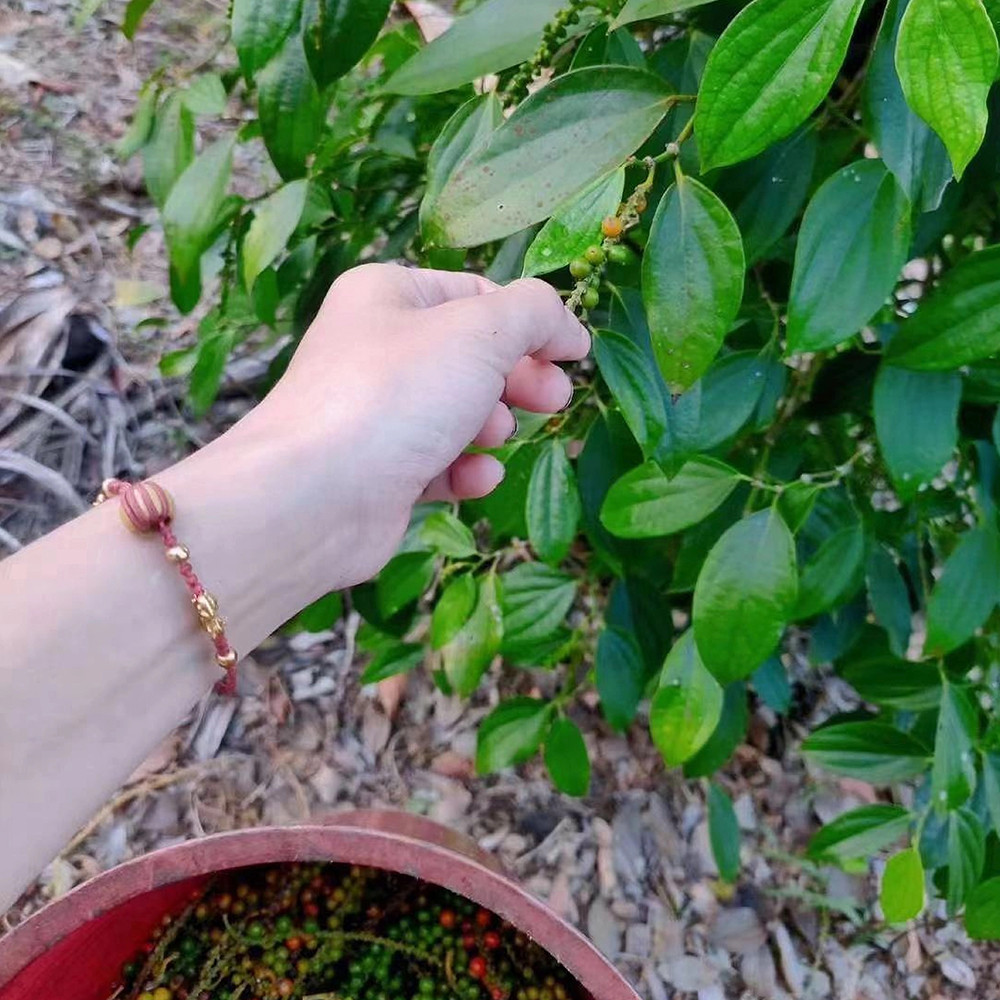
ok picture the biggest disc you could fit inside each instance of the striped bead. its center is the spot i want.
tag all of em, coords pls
(145, 506)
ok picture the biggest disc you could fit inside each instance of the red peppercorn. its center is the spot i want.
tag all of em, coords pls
(311, 910)
(447, 919)
(468, 941)
(477, 967)
(483, 918)
(491, 939)
(148, 947)
(497, 993)
(466, 926)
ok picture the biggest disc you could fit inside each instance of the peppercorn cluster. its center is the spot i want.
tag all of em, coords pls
(333, 932)
(552, 38)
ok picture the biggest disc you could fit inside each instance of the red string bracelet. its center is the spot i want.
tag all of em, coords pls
(148, 507)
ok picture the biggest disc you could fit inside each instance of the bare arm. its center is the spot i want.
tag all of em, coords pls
(99, 653)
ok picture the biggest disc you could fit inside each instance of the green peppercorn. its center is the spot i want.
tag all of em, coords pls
(594, 255)
(580, 268)
(619, 254)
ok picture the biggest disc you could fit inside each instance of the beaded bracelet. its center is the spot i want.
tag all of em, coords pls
(148, 507)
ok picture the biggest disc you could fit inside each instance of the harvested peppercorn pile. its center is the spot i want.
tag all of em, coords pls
(334, 932)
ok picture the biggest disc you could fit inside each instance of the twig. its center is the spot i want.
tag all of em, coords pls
(47, 478)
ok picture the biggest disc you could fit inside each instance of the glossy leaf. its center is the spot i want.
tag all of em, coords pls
(966, 856)
(692, 280)
(687, 706)
(916, 420)
(991, 787)
(771, 68)
(723, 833)
(834, 574)
(982, 911)
(535, 601)
(189, 215)
(566, 758)
(860, 833)
(745, 595)
(290, 108)
(552, 507)
(887, 680)
(889, 598)
(581, 126)
(966, 593)
(206, 376)
(445, 533)
(206, 95)
(453, 609)
(397, 658)
(953, 774)
(854, 240)
(635, 385)
(511, 733)
(141, 126)
(259, 27)
(574, 226)
(907, 145)
(638, 10)
(497, 34)
(872, 751)
(770, 681)
(135, 11)
(405, 578)
(274, 221)
(337, 33)
(320, 615)
(728, 735)
(646, 503)
(468, 654)
(620, 676)
(946, 57)
(170, 148)
(902, 891)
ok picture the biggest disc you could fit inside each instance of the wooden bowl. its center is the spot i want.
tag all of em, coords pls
(74, 948)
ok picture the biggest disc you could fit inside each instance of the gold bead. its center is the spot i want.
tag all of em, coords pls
(213, 626)
(227, 660)
(206, 606)
(106, 487)
(178, 553)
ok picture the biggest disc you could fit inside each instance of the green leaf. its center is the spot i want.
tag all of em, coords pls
(872, 751)
(745, 595)
(896, 683)
(170, 148)
(639, 10)
(902, 890)
(621, 676)
(889, 598)
(566, 758)
(946, 57)
(860, 833)
(494, 36)
(692, 280)
(953, 774)
(206, 375)
(274, 221)
(397, 658)
(551, 148)
(687, 707)
(908, 147)
(453, 609)
(135, 11)
(141, 125)
(770, 681)
(259, 27)
(190, 213)
(770, 69)
(966, 856)
(320, 615)
(853, 244)
(959, 322)
(966, 593)
(574, 226)
(404, 579)
(728, 735)
(445, 533)
(290, 108)
(834, 574)
(337, 33)
(982, 911)
(535, 600)
(916, 421)
(991, 786)
(635, 384)
(552, 508)
(511, 733)
(723, 833)
(470, 652)
(646, 503)
(206, 95)
(604, 48)
(796, 503)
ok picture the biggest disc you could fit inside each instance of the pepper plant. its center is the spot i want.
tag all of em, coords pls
(780, 219)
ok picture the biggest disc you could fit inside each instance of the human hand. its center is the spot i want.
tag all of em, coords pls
(401, 371)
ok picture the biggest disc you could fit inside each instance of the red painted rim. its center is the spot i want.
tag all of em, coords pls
(395, 842)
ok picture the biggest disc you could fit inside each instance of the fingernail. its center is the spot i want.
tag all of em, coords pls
(513, 433)
(569, 398)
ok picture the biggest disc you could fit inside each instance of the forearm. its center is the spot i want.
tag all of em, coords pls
(99, 651)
